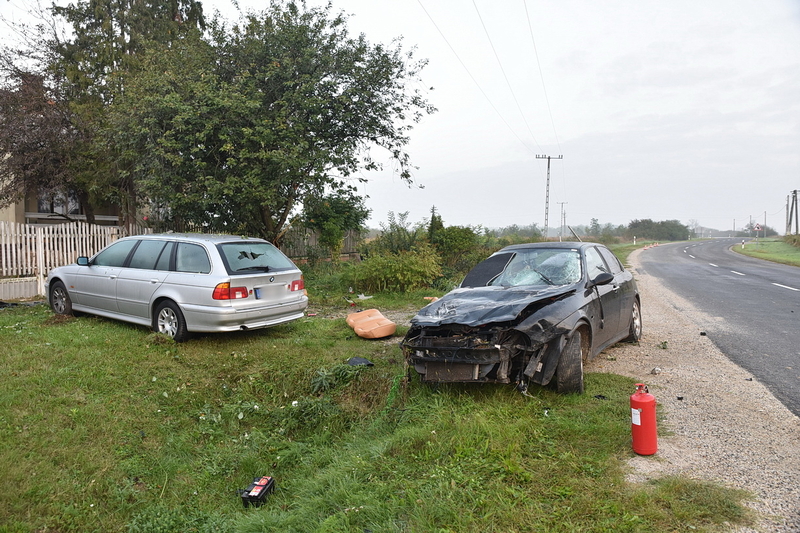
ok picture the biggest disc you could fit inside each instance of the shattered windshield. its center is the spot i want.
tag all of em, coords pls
(246, 257)
(545, 266)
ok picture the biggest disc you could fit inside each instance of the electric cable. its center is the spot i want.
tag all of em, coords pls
(500, 64)
(478, 85)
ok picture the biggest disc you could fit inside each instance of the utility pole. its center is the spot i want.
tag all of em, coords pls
(547, 192)
(563, 221)
(792, 214)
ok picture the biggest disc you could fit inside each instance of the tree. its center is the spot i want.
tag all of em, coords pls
(36, 138)
(667, 230)
(233, 132)
(109, 37)
(103, 52)
(58, 86)
(333, 215)
(594, 228)
(435, 225)
(454, 243)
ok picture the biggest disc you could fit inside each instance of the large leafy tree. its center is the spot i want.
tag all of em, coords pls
(234, 131)
(56, 89)
(102, 54)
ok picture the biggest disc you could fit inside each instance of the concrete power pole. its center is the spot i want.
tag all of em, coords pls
(547, 192)
(563, 221)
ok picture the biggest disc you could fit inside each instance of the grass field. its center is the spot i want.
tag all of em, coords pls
(107, 427)
(775, 250)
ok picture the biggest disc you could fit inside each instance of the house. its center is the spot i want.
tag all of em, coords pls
(40, 211)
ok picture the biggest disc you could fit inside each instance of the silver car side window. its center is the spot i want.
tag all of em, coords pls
(146, 254)
(165, 257)
(115, 255)
(192, 258)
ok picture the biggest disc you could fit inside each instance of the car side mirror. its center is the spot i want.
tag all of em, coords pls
(83, 261)
(602, 279)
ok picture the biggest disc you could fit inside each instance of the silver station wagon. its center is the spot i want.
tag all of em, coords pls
(182, 283)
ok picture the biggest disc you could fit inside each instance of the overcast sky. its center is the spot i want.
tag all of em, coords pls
(686, 110)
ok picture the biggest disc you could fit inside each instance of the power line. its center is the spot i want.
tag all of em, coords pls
(491, 44)
(478, 85)
(541, 75)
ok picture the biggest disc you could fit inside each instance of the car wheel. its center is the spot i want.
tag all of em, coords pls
(569, 372)
(60, 302)
(635, 331)
(169, 321)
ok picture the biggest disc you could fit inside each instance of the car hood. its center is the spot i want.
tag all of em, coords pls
(484, 305)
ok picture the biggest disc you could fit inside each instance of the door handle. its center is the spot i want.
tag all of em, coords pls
(154, 281)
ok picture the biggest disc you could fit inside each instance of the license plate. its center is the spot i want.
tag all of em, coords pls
(257, 292)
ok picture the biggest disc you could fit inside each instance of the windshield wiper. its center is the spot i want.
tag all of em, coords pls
(545, 278)
(263, 268)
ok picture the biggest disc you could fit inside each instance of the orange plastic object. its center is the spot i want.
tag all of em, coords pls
(371, 324)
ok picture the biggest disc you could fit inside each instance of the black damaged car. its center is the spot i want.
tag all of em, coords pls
(530, 313)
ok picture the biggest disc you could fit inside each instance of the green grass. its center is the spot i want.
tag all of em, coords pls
(622, 251)
(775, 250)
(107, 427)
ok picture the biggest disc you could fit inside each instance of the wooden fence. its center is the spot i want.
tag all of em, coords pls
(29, 252)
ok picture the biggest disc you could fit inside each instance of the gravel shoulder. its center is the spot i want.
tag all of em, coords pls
(727, 428)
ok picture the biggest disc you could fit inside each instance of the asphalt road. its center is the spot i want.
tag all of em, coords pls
(752, 307)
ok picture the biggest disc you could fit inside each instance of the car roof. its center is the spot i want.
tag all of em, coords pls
(198, 237)
(553, 245)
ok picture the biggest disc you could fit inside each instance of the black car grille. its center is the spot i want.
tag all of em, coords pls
(475, 349)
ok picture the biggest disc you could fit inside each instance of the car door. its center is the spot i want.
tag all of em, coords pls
(96, 284)
(146, 270)
(624, 286)
(609, 295)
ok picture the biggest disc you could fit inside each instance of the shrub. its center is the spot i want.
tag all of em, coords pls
(398, 272)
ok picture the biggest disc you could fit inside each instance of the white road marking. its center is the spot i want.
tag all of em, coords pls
(785, 287)
(713, 265)
(737, 273)
(693, 257)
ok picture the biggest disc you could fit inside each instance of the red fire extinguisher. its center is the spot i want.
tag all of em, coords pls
(643, 421)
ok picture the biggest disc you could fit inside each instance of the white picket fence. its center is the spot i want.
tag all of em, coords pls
(28, 252)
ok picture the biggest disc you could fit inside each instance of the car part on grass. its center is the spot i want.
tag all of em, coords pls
(371, 324)
(256, 494)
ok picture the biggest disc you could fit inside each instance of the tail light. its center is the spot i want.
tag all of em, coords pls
(224, 291)
(297, 285)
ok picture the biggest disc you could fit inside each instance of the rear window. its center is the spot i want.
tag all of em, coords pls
(243, 257)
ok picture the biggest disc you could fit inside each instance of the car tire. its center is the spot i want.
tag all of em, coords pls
(169, 320)
(569, 372)
(635, 330)
(60, 302)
